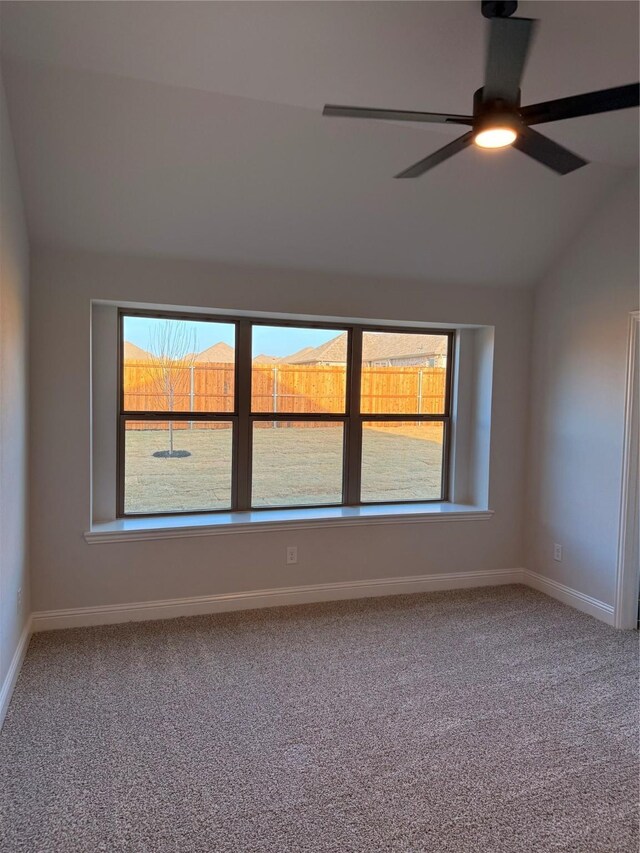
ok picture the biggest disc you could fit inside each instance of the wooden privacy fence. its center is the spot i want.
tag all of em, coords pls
(307, 389)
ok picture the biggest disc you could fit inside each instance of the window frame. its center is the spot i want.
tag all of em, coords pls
(242, 417)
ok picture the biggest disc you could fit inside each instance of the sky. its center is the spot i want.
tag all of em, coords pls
(267, 340)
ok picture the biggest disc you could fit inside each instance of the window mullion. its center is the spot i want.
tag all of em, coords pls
(446, 439)
(354, 433)
(242, 467)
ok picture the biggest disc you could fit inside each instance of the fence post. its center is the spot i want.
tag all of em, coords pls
(274, 393)
(420, 391)
(191, 393)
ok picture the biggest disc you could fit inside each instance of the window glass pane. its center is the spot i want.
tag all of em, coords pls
(177, 466)
(403, 373)
(402, 460)
(178, 365)
(297, 464)
(298, 370)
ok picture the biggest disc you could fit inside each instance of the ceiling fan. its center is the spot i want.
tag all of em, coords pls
(498, 120)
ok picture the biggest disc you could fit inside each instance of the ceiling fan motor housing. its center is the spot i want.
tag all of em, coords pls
(498, 113)
(498, 8)
(480, 106)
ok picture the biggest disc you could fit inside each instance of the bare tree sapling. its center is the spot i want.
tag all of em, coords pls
(172, 351)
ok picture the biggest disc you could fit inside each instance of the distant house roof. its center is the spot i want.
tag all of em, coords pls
(134, 353)
(266, 359)
(334, 350)
(299, 356)
(219, 352)
(376, 346)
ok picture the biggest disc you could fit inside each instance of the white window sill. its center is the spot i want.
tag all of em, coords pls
(214, 524)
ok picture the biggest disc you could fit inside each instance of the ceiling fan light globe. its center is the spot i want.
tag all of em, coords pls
(495, 137)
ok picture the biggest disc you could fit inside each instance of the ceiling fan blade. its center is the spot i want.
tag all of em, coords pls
(394, 115)
(509, 40)
(603, 101)
(548, 152)
(438, 156)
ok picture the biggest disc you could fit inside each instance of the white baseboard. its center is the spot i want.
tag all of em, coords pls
(6, 691)
(572, 597)
(202, 605)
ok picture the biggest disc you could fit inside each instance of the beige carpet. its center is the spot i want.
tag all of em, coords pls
(482, 721)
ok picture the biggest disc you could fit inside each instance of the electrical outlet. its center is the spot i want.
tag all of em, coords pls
(292, 555)
(19, 600)
(557, 553)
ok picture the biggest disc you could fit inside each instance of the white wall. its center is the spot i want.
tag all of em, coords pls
(578, 394)
(14, 272)
(67, 572)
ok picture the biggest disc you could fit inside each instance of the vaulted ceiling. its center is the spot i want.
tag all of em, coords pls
(195, 130)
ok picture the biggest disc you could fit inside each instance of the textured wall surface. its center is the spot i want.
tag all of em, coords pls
(14, 309)
(578, 396)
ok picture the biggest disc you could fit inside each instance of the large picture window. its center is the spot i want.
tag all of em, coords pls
(237, 414)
